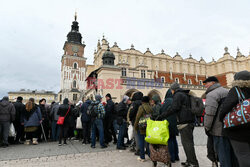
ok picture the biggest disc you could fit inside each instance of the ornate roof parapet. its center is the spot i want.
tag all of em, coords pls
(190, 56)
(98, 45)
(115, 45)
(132, 47)
(104, 41)
(238, 53)
(226, 51)
(202, 60)
(148, 50)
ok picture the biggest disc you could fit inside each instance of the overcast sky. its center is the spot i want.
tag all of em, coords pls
(33, 32)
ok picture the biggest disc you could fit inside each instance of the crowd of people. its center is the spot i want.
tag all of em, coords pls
(106, 122)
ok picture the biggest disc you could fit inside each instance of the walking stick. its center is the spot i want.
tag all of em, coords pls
(43, 132)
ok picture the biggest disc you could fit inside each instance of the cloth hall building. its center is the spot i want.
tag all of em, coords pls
(123, 72)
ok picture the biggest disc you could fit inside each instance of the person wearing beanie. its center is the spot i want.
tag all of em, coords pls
(20, 110)
(108, 120)
(122, 110)
(7, 115)
(239, 136)
(215, 95)
(185, 122)
(156, 104)
(97, 122)
(144, 109)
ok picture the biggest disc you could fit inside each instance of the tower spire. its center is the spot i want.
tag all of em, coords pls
(75, 15)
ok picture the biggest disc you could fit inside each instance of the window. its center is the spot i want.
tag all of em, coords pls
(75, 65)
(162, 79)
(177, 80)
(74, 97)
(189, 81)
(143, 75)
(201, 83)
(124, 72)
(74, 84)
(60, 98)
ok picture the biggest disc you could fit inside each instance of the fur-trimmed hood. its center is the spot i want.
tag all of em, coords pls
(241, 83)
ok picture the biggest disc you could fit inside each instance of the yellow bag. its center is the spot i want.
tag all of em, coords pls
(157, 132)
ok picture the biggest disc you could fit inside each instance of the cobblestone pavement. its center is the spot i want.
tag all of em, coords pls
(75, 154)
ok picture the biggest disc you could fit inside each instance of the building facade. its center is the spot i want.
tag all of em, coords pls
(73, 66)
(153, 74)
(37, 95)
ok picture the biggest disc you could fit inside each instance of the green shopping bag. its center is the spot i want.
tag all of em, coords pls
(157, 132)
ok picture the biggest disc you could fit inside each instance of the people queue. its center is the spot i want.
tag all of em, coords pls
(108, 121)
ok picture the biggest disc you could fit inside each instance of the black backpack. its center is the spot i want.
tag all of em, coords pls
(196, 105)
(92, 110)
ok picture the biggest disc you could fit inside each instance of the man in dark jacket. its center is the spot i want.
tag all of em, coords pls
(7, 115)
(20, 110)
(86, 123)
(108, 120)
(185, 120)
(122, 111)
(239, 136)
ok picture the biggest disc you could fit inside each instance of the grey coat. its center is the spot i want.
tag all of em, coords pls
(7, 111)
(213, 96)
(53, 112)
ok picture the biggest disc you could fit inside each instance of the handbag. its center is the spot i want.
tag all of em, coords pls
(143, 120)
(240, 114)
(12, 132)
(157, 132)
(79, 122)
(61, 119)
(159, 153)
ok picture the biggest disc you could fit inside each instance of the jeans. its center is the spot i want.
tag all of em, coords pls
(86, 131)
(55, 130)
(223, 149)
(97, 124)
(4, 131)
(187, 140)
(142, 145)
(242, 152)
(120, 141)
(173, 148)
(115, 126)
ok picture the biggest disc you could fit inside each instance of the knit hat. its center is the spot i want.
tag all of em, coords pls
(156, 98)
(145, 99)
(211, 79)
(242, 75)
(175, 86)
(5, 98)
(98, 97)
(108, 95)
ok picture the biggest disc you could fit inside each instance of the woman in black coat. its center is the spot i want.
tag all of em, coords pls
(67, 121)
(239, 136)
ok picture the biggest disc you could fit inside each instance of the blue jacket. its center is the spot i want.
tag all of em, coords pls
(34, 119)
(85, 117)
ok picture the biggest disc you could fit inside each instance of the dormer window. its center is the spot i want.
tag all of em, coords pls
(177, 80)
(201, 83)
(162, 79)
